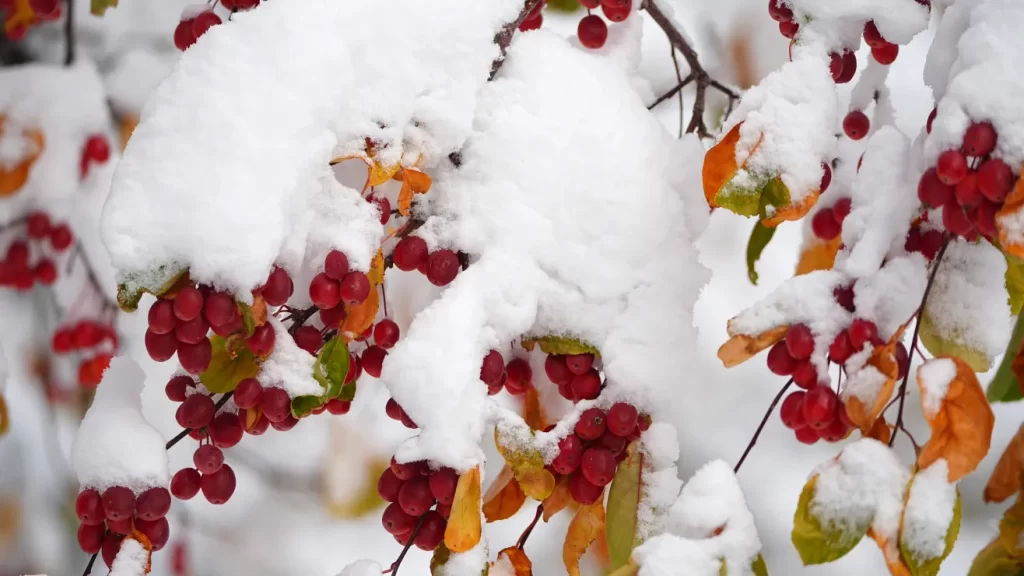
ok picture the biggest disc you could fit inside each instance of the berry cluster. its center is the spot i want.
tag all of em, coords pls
(194, 24)
(95, 151)
(97, 342)
(590, 455)
(29, 259)
(412, 489)
(827, 223)
(515, 376)
(108, 517)
(43, 10)
(440, 267)
(969, 185)
(337, 287)
(592, 29)
(179, 323)
(575, 375)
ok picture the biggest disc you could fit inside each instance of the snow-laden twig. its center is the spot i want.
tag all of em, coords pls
(760, 426)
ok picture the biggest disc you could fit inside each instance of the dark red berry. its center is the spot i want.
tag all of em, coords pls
(118, 503)
(157, 531)
(195, 358)
(951, 167)
(161, 317)
(799, 341)
(843, 296)
(805, 375)
(153, 504)
(90, 537)
(355, 287)
(324, 291)
(414, 497)
(308, 338)
(570, 450)
(591, 425)
(442, 485)
(592, 31)
(177, 386)
(431, 532)
(579, 363)
(871, 35)
(277, 404)
(89, 507)
(807, 435)
(932, 191)
(598, 466)
(995, 180)
(856, 125)
(385, 333)
(967, 193)
(185, 483)
(372, 360)
(336, 265)
(557, 370)
(410, 253)
(792, 411)
(841, 348)
(622, 419)
(188, 303)
(225, 430)
(779, 11)
(819, 406)
(111, 546)
(779, 360)
(931, 119)
(278, 288)
(261, 343)
(388, 485)
(338, 407)
(862, 332)
(841, 209)
(442, 267)
(582, 490)
(824, 224)
(789, 29)
(219, 486)
(396, 521)
(492, 368)
(518, 376)
(196, 411)
(980, 139)
(586, 386)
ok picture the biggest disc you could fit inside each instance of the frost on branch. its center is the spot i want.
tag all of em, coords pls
(115, 445)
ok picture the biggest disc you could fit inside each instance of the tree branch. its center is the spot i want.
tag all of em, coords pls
(760, 426)
(393, 570)
(69, 32)
(504, 36)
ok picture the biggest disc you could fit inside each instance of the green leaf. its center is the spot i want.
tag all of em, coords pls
(819, 544)
(98, 7)
(439, 559)
(759, 567)
(930, 566)
(564, 5)
(774, 195)
(562, 345)
(760, 236)
(348, 392)
(995, 560)
(248, 322)
(1015, 282)
(303, 405)
(1004, 386)
(156, 282)
(623, 500)
(332, 364)
(231, 363)
(951, 344)
(742, 194)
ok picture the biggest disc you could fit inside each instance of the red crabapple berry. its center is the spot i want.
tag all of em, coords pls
(90, 537)
(856, 125)
(388, 485)
(188, 303)
(442, 267)
(957, 221)
(442, 485)
(843, 296)
(886, 53)
(225, 430)
(219, 308)
(397, 521)
(431, 533)
(825, 226)
(792, 411)
(807, 435)
(60, 238)
(324, 291)
(789, 29)
(862, 332)
(183, 35)
(841, 209)
(338, 407)
(219, 486)
(410, 253)
(176, 387)
(160, 347)
(819, 406)
(622, 419)
(805, 375)
(261, 343)
(616, 10)
(89, 507)
(849, 66)
(308, 338)
(156, 531)
(826, 177)
(586, 386)
(579, 363)
(841, 348)
(592, 31)
(835, 66)
(111, 546)
(931, 119)
(932, 191)
(492, 368)
(414, 497)
(355, 287)
(967, 193)
(598, 466)
(995, 180)
(278, 288)
(161, 317)
(208, 459)
(980, 139)
(118, 503)
(185, 483)
(203, 22)
(336, 265)
(153, 504)
(277, 404)
(779, 360)
(779, 11)
(518, 376)
(196, 411)
(195, 358)
(37, 225)
(373, 360)
(951, 167)
(386, 333)
(799, 341)
(872, 37)
(582, 490)
(591, 425)
(248, 394)
(570, 451)
(557, 370)
(987, 219)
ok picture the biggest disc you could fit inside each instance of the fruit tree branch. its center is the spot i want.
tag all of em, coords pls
(504, 36)
(760, 426)
(913, 341)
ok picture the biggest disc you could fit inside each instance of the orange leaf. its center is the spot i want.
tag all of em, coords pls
(1005, 480)
(559, 498)
(962, 425)
(742, 347)
(891, 553)
(1014, 203)
(463, 531)
(880, 431)
(601, 549)
(11, 180)
(533, 413)
(5, 422)
(793, 211)
(252, 415)
(413, 182)
(583, 530)
(126, 127)
(720, 164)
(518, 559)
(359, 317)
(504, 497)
(376, 272)
(818, 255)
(883, 359)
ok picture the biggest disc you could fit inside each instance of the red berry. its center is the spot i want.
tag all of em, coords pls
(153, 504)
(591, 425)
(157, 531)
(97, 149)
(592, 31)
(185, 483)
(932, 191)
(188, 304)
(225, 430)
(277, 404)
(557, 370)
(856, 125)
(582, 490)
(208, 459)
(196, 411)
(442, 485)
(805, 375)
(957, 221)
(118, 503)
(38, 225)
(841, 209)
(414, 497)
(841, 348)
(90, 537)
(598, 466)
(111, 546)
(195, 358)
(183, 35)
(338, 407)
(233, 326)
(383, 206)
(951, 167)
(431, 532)
(789, 29)
(442, 267)
(278, 288)
(826, 177)
(779, 360)
(388, 485)
(995, 180)
(622, 419)
(843, 296)
(355, 368)
(336, 265)
(324, 292)
(967, 193)
(861, 332)
(799, 341)
(355, 287)
(396, 521)
(835, 431)
(586, 386)
(285, 425)
(89, 507)
(819, 406)
(160, 346)
(410, 253)
(931, 119)
(807, 435)
(616, 10)
(372, 360)
(258, 427)
(45, 272)
(219, 486)
(248, 393)
(614, 444)
(405, 471)
(987, 219)
(308, 338)
(871, 35)
(385, 333)
(779, 11)
(980, 139)
(570, 451)
(220, 309)
(835, 66)
(176, 388)
(63, 340)
(590, 4)
(579, 363)
(492, 368)
(849, 66)
(824, 224)
(60, 238)
(518, 376)
(885, 53)
(792, 411)
(261, 343)
(161, 317)
(902, 360)
(203, 22)
(192, 332)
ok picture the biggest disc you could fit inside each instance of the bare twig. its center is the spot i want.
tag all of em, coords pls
(69, 33)
(671, 92)
(299, 318)
(393, 570)
(760, 426)
(504, 36)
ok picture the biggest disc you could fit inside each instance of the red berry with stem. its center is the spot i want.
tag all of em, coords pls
(616, 11)
(807, 435)
(188, 304)
(856, 125)
(324, 291)
(208, 459)
(157, 531)
(261, 343)
(622, 419)
(176, 388)
(161, 317)
(799, 341)
(192, 332)
(819, 406)
(185, 483)
(841, 348)
(805, 375)
(792, 411)
(779, 11)
(90, 537)
(570, 451)
(195, 358)
(219, 308)
(442, 485)
(431, 533)
(336, 265)
(118, 503)
(196, 411)
(980, 139)
(824, 224)
(967, 193)
(598, 466)
(582, 490)
(932, 191)
(388, 485)
(518, 376)
(372, 360)
(37, 225)
(396, 521)
(789, 29)
(160, 346)
(111, 546)
(592, 31)
(957, 221)
(886, 53)
(586, 386)
(308, 338)
(557, 370)
(592, 424)
(153, 504)
(951, 167)
(60, 238)
(89, 507)
(45, 272)
(278, 288)
(492, 368)
(841, 209)
(414, 497)
(248, 393)
(277, 404)
(995, 180)
(779, 360)
(219, 486)
(872, 37)
(442, 267)
(183, 35)
(861, 332)
(579, 363)
(410, 253)
(355, 287)
(225, 430)
(385, 333)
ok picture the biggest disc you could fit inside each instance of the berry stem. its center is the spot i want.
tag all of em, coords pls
(913, 341)
(672, 91)
(69, 39)
(529, 529)
(760, 426)
(398, 561)
(299, 317)
(92, 560)
(220, 404)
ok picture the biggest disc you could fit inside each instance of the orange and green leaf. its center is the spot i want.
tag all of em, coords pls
(583, 530)
(623, 503)
(883, 359)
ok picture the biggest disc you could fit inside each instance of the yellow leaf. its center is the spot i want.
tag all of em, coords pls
(1006, 478)
(533, 412)
(561, 345)
(818, 255)
(12, 179)
(517, 559)
(951, 344)
(376, 173)
(742, 347)
(817, 543)
(464, 526)
(627, 570)
(962, 426)
(891, 554)
(1013, 204)
(560, 498)
(528, 466)
(883, 359)
(413, 182)
(362, 502)
(583, 530)
(504, 497)
(376, 272)
(228, 366)
(360, 316)
(1011, 530)
(994, 560)
(5, 422)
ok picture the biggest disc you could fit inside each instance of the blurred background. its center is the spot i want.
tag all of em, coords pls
(306, 500)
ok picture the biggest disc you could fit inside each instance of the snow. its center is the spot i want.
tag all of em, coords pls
(468, 563)
(897, 20)
(116, 445)
(891, 295)
(968, 303)
(659, 478)
(929, 512)
(362, 568)
(136, 73)
(598, 264)
(241, 129)
(670, 555)
(865, 384)
(289, 366)
(863, 486)
(935, 376)
(131, 560)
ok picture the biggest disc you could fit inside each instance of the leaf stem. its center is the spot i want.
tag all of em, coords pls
(393, 570)
(760, 426)
(529, 529)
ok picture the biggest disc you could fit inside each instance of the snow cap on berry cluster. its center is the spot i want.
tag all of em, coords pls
(115, 445)
(574, 229)
(288, 366)
(50, 111)
(224, 170)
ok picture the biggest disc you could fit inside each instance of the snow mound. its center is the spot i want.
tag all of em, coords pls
(935, 376)
(289, 366)
(929, 513)
(131, 560)
(362, 568)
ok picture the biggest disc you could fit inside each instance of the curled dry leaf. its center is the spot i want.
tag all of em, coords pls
(1009, 239)
(961, 427)
(413, 182)
(1006, 478)
(818, 255)
(742, 347)
(517, 559)
(533, 412)
(504, 497)
(528, 466)
(583, 530)
(880, 431)
(464, 526)
(359, 317)
(14, 177)
(720, 165)
(560, 498)
(883, 359)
